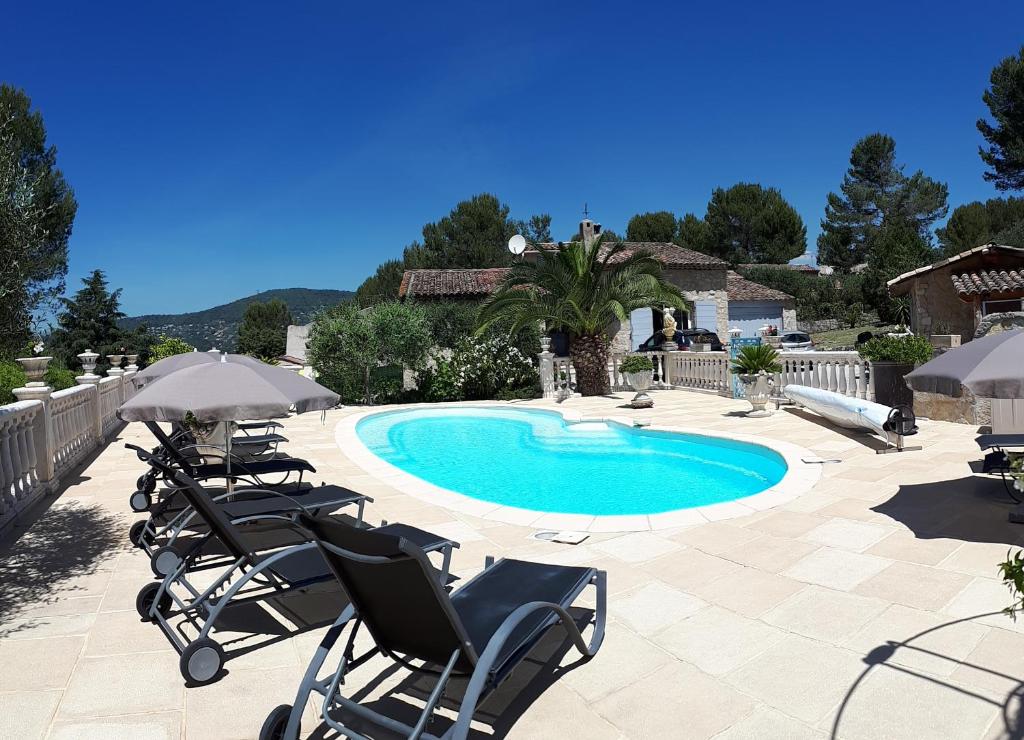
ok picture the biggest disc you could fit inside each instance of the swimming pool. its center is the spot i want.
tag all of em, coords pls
(535, 459)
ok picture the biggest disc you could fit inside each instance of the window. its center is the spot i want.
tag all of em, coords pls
(988, 307)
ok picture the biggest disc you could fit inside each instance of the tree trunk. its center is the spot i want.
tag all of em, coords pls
(366, 385)
(590, 359)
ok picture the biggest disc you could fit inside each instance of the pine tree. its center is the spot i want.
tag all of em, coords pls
(88, 321)
(263, 333)
(751, 223)
(876, 193)
(659, 226)
(1005, 137)
(977, 223)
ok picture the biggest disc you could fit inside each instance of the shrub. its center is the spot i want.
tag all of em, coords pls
(168, 346)
(58, 376)
(441, 383)
(756, 358)
(487, 366)
(909, 350)
(636, 364)
(11, 376)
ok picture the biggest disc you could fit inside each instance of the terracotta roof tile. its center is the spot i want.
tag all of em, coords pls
(670, 255)
(741, 289)
(988, 281)
(453, 283)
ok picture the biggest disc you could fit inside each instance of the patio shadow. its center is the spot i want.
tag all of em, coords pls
(66, 542)
(972, 509)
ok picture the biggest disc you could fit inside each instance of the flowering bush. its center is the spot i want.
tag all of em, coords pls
(441, 383)
(488, 366)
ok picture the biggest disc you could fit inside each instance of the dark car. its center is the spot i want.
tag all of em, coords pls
(707, 337)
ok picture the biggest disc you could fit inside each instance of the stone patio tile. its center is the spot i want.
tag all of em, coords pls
(123, 632)
(825, 614)
(36, 665)
(637, 547)
(847, 534)
(769, 553)
(36, 627)
(654, 607)
(624, 659)
(787, 523)
(561, 713)
(216, 710)
(715, 538)
(717, 641)
(913, 585)
(106, 686)
(749, 592)
(995, 663)
(836, 569)
(676, 701)
(765, 723)
(890, 703)
(26, 715)
(800, 677)
(984, 599)
(906, 546)
(851, 508)
(690, 568)
(156, 726)
(60, 606)
(977, 558)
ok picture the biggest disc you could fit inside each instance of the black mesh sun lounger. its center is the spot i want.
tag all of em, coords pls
(246, 575)
(997, 462)
(481, 631)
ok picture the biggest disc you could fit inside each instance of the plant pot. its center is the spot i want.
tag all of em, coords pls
(35, 367)
(640, 382)
(757, 390)
(890, 388)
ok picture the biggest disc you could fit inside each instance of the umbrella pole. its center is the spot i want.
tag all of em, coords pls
(227, 447)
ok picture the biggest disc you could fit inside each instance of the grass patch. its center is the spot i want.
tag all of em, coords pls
(838, 339)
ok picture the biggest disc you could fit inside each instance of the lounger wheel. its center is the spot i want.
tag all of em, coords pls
(135, 533)
(140, 501)
(144, 601)
(146, 482)
(276, 723)
(201, 661)
(164, 561)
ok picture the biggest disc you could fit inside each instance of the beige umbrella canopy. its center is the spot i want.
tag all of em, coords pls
(990, 367)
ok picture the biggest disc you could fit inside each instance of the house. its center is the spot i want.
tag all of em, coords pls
(719, 298)
(954, 295)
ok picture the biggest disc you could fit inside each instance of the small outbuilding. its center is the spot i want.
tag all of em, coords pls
(954, 295)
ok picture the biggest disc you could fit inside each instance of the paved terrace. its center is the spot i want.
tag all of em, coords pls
(867, 608)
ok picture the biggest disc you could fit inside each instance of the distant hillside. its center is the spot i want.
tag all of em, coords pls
(218, 326)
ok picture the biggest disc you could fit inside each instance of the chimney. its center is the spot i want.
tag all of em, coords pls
(589, 231)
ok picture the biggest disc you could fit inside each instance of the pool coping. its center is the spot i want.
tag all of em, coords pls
(800, 478)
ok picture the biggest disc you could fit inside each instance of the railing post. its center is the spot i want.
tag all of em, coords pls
(546, 368)
(667, 372)
(42, 433)
(871, 380)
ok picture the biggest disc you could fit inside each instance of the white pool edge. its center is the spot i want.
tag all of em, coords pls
(800, 478)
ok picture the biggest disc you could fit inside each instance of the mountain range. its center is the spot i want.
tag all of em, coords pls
(218, 326)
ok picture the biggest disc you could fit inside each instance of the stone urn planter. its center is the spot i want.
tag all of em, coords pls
(35, 368)
(640, 381)
(757, 391)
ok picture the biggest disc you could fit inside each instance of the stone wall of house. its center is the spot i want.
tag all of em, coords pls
(936, 308)
(789, 322)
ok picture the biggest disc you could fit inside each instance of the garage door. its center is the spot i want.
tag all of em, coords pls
(750, 316)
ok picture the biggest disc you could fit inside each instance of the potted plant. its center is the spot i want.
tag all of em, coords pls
(701, 343)
(35, 365)
(756, 365)
(639, 372)
(891, 358)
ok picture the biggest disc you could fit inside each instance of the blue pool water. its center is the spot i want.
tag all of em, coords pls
(533, 459)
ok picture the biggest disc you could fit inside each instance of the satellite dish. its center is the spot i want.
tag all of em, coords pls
(517, 244)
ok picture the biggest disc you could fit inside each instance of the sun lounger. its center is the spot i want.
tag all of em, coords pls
(996, 462)
(254, 472)
(245, 575)
(481, 631)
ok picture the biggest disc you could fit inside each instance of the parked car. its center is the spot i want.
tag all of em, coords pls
(796, 340)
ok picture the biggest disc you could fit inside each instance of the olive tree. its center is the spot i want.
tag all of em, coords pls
(360, 353)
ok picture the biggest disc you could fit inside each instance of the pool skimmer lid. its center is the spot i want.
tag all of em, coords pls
(568, 538)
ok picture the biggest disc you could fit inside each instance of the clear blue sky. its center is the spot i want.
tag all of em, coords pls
(217, 149)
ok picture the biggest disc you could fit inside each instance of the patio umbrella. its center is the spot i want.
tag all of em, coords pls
(990, 367)
(171, 364)
(227, 390)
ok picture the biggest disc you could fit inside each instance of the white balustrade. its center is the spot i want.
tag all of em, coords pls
(846, 373)
(20, 486)
(47, 434)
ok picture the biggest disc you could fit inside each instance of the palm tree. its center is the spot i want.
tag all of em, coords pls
(581, 289)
